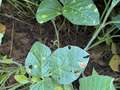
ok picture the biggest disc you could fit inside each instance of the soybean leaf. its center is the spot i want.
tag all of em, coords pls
(36, 62)
(35, 79)
(117, 19)
(22, 79)
(65, 1)
(49, 84)
(66, 64)
(67, 87)
(97, 82)
(48, 10)
(94, 72)
(81, 12)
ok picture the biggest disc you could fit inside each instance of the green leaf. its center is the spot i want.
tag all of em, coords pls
(117, 19)
(3, 77)
(22, 79)
(67, 87)
(66, 64)
(6, 60)
(48, 10)
(49, 84)
(45, 84)
(36, 62)
(94, 72)
(65, 1)
(35, 79)
(97, 82)
(81, 12)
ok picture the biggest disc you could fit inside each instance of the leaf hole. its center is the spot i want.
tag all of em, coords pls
(69, 47)
(30, 66)
(60, 2)
(41, 78)
(86, 56)
(76, 71)
(27, 75)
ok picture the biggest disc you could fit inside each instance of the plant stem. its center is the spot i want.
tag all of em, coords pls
(99, 29)
(105, 10)
(115, 36)
(57, 33)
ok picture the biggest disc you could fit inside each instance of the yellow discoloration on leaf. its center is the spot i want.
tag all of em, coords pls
(2, 28)
(115, 60)
(58, 88)
(44, 16)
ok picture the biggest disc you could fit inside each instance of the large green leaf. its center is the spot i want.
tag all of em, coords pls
(97, 82)
(81, 12)
(48, 9)
(36, 62)
(48, 84)
(66, 64)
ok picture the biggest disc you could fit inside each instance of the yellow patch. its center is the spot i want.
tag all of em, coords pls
(115, 60)
(2, 28)
(58, 88)
(44, 16)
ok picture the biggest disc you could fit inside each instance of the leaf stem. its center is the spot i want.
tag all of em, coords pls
(99, 29)
(57, 33)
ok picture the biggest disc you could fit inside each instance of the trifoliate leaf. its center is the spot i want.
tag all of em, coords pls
(80, 12)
